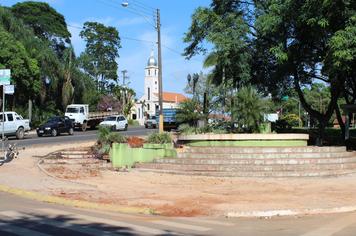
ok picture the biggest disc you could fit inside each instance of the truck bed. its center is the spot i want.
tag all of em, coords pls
(101, 115)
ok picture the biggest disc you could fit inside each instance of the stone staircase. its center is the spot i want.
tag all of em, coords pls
(257, 162)
(76, 158)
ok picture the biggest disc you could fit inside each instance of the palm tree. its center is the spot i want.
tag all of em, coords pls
(248, 109)
(189, 112)
(67, 70)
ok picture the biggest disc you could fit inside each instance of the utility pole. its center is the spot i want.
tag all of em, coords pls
(160, 90)
(124, 77)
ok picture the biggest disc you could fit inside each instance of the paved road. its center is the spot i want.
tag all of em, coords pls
(20, 216)
(89, 135)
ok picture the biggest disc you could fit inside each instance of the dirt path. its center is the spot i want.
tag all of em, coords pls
(176, 195)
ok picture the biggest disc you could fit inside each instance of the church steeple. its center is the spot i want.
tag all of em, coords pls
(152, 62)
(151, 78)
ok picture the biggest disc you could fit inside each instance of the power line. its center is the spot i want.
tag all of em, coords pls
(146, 16)
(140, 40)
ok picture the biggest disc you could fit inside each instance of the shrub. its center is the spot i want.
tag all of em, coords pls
(116, 138)
(292, 120)
(106, 138)
(157, 138)
(186, 129)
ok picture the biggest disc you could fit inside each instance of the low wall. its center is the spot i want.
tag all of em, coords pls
(245, 140)
(122, 155)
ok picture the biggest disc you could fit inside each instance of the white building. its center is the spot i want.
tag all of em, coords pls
(148, 104)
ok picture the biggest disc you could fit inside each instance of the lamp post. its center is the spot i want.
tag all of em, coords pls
(157, 26)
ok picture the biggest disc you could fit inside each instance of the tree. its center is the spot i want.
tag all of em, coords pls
(300, 38)
(189, 112)
(223, 26)
(45, 21)
(24, 69)
(101, 52)
(248, 109)
(68, 70)
(205, 92)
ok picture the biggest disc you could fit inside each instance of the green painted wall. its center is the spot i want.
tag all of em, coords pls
(247, 143)
(121, 155)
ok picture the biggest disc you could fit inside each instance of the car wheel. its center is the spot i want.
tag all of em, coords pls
(146, 126)
(20, 133)
(54, 133)
(71, 131)
(126, 127)
(84, 126)
(113, 128)
(39, 135)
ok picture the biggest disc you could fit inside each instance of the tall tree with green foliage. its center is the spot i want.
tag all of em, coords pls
(300, 36)
(222, 25)
(101, 52)
(24, 69)
(45, 21)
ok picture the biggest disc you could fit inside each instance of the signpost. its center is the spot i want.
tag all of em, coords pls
(5, 75)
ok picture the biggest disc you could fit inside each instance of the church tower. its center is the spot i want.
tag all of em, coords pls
(151, 79)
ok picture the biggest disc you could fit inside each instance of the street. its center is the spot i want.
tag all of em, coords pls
(89, 135)
(21, 216)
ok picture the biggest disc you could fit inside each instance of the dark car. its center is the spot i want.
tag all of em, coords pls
(55, 126)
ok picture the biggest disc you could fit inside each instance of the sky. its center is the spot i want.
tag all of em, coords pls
(138, 36)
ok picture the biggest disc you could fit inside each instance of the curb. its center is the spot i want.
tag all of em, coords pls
(75, 203)
(288, 212)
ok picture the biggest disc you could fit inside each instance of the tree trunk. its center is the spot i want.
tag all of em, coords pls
(341, 122)
(336, 86)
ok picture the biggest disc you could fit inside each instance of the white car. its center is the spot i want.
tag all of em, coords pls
(115, 123)
(14, 125)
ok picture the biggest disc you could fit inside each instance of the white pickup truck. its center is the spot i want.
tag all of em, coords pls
(14, 125)
(82, 118)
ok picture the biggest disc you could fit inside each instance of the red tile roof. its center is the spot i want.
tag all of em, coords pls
(173, 97)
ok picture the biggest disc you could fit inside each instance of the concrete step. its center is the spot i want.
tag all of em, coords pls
(83, 166)
(75, 156)
(255, 174)
(256, 161)
(74, 152)
(267, 155)
(72, 161)
(248, 168)
(235, 150)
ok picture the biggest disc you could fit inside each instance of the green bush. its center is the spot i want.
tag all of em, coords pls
(106, 138)
(116, 138)
(133, 122)
(292, 120)
(186, 129)
(157, 138)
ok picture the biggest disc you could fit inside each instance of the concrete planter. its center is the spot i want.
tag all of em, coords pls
(122, 155)
(245, 140)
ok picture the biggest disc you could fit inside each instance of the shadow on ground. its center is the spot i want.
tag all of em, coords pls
(65, 225)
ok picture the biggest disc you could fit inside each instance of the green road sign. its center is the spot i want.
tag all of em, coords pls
(5, 75)
(285, 98)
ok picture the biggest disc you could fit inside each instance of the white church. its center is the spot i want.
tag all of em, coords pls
(148, 104)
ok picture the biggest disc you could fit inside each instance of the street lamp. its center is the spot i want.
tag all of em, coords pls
(157, 26)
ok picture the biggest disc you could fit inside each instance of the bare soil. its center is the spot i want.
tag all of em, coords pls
(177, 195)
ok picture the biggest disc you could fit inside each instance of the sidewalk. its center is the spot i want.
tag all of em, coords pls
(175, 195)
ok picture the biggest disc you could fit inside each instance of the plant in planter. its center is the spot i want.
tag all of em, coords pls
(105, 140)
(159, 138)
